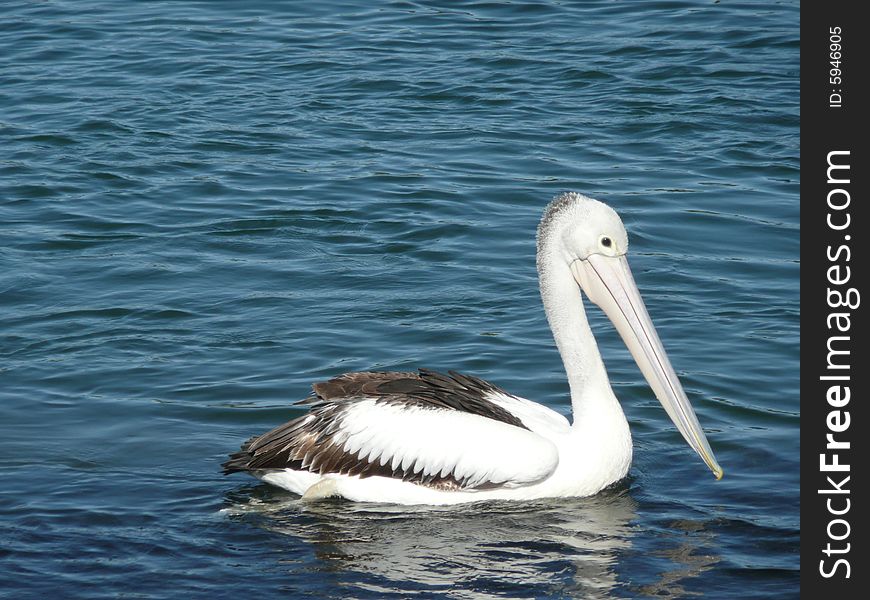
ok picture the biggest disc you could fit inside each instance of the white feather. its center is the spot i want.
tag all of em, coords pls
(447, 442)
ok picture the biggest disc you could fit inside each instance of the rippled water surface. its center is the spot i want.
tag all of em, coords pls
(206, 206)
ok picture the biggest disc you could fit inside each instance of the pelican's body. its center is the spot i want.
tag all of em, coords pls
(428, 438)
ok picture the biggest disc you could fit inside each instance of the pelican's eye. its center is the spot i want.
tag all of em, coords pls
(606, 242)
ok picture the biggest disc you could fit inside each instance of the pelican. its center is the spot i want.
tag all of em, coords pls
(433, 438)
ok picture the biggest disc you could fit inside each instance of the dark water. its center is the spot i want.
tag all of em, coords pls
(205, 206)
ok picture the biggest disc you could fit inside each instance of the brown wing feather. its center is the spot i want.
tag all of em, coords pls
(309, 442)
(354, 385)
(453, 391)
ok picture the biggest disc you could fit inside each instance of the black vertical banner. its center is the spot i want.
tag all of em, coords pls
(834, 261)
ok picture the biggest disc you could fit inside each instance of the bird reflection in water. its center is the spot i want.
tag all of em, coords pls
(563, 547)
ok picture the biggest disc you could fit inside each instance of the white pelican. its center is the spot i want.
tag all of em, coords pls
(429, 438)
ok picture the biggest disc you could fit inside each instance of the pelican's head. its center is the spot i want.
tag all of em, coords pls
(590, 238)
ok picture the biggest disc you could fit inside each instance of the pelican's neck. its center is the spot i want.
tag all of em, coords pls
(590, 387)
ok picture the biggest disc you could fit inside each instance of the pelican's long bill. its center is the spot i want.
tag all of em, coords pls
(608, 282)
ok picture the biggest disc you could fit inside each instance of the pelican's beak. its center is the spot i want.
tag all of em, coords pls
(607, 281)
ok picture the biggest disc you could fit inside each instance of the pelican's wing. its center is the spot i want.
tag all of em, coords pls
(535, 417)
(427, 428)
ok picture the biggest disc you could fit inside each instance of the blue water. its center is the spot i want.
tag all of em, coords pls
(206, 206)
